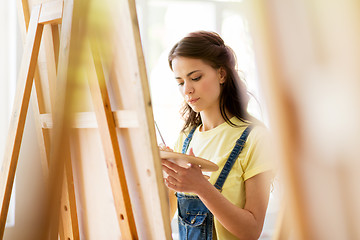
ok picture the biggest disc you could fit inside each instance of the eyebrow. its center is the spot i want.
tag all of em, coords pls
(188, 74)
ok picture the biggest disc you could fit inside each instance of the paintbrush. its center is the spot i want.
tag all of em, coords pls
(157, 128)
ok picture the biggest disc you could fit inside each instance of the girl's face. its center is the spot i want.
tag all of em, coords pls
(199, 83)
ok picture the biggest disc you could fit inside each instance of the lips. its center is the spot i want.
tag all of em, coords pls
(192, 101)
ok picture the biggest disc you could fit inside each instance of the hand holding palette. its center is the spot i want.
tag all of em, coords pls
(183, 160)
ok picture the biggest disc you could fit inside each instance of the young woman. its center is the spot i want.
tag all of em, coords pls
(232, 203)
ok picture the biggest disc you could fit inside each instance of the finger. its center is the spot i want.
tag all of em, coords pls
(163, 147)
(173, 180)
(172, 165)
(170, 185)
(191, 152)
(169, 149)
(195, 166)
(169, 171)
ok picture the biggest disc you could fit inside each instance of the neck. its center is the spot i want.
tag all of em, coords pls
(211, 119)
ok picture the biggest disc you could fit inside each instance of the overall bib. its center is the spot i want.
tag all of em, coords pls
(195, 221)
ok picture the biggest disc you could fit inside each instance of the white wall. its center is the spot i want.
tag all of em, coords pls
(25, 209)
(7, 74)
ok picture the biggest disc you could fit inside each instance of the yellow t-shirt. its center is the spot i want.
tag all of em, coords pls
(216, 144)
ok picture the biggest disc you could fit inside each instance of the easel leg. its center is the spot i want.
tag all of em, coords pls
(69, 62)
(68, 204)
(39, 100)
(107, 130)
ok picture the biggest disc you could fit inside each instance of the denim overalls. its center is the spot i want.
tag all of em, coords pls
(195, 221)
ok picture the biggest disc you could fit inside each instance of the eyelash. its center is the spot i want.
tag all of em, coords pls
(193, 79)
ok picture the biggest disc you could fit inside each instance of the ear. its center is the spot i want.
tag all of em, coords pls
(221, 75)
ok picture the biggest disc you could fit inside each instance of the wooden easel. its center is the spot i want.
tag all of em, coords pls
(65, 53)
(52, 16)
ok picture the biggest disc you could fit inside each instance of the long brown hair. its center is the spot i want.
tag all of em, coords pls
(210, 47)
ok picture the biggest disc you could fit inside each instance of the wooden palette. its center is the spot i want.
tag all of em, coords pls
(183, 160)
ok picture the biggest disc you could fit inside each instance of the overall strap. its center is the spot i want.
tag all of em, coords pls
(187, 141)
(232, 158)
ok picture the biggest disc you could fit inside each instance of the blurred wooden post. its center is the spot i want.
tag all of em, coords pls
(281, 105)
(308, 53)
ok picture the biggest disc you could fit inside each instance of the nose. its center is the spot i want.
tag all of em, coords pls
(188, 88)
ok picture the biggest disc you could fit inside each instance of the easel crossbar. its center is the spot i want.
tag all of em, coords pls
(122, 118)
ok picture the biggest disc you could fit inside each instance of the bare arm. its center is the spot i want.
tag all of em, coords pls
(244, 223)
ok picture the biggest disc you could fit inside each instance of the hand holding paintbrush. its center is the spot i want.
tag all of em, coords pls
(162, 146)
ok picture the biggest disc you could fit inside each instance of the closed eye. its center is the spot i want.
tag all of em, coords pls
(196, 79)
